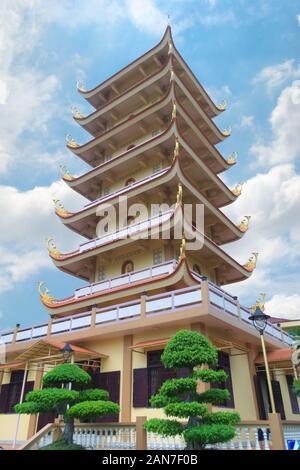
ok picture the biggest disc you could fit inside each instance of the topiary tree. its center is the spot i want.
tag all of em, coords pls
(81, 404)
(180, 399)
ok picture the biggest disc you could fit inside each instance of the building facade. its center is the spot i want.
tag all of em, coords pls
(153, 142)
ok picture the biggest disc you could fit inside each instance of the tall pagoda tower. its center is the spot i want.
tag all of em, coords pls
(154, 142)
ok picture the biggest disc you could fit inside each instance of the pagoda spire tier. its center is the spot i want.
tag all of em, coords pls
(152, 157)
(140, 97)
(82, 262)
(146, 65)
(144, 125)
(162, 187)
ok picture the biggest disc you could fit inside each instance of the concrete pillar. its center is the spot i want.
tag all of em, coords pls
(205, 293)
(276, 432)
(141, 434)
(126, 386)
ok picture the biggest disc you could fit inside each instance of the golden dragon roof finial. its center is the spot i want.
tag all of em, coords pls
(179, 195)
(59, 208)
(80, 85)
(174, 110)
(232, 159)
(227, 131)
(182, 250)
(244, 225)
(251, 263)
(237, 190)
(71, 142)
(45, 296)
(65, 173)
(76, 114)
(222, 106)
(260, 303)
(176, 149)
(52, 248)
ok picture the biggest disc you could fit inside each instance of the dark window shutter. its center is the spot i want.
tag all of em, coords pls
(293, 396)
(110, 381)
(140, 388)
(259, 398)
(4, 398)
(182, 373)
(278, 398)
(28, 388)
(224, 364)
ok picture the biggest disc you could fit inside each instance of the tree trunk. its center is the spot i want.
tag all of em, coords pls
(69, 430)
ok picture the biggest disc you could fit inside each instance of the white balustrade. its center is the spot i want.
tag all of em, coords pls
(105, 437)
(156, 441)
(291, 434)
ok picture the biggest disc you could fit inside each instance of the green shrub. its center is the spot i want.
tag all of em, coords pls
(88, 409)
(66, 373)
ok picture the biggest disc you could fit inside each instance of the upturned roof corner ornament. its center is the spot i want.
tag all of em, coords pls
(232, 159)
(179, 195)
(71, 142)
(80, 85)
(237, 190)
(176, 149)
(44, 295)
(52, 248)
(227, 131)
(222, 106)
(59, 208)
(251, 263)
(172, 75)
(182, 250)
(65, 173)
(76, 113)
(260, 303)
(244, 225)
(170, 48)
(174, 110)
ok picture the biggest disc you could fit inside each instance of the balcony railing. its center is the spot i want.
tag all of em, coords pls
(128, 278)
(124, 189)
(128, 231)
(154, 305)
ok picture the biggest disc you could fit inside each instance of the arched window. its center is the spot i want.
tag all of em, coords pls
(130, 181)
(197, 269)
(127, 267)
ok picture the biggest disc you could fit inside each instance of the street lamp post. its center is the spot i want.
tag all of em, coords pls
(260, 319)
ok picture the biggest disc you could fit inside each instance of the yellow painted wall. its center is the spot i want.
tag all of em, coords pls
(8, 426)
(280, 376)
(241, 379)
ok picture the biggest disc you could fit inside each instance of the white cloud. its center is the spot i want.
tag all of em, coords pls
(284, 306)
(146, 15)
(29, 219)
(298, 19)
(283, 144)
(275, 75)
(246, 121)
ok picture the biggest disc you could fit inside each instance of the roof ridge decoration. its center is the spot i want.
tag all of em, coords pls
(227, 131)
(44, 295)
(71, 142)
(251, 263)
(244, 225)
(232, 159)
(176, 149)
(174, 110)
(222, 106)
(76, 113)
(65, 173)
(237, 190)
(80, 85)
(260, 303)
(59, 208)
(182, 250)
(179, 195)
(52, 248)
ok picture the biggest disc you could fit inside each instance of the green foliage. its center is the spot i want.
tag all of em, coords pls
(188, 349)
(296, 387)
(61, 444)
(215, 396)
(93, 394)
(88, 409)
(209, 434)
(30, 408)
(209, 376)
(294, 331)
(173, 387)
(185, 409)
(222, 417)
(166, 427)
(179, 397)
(50, 397)
(66, 373)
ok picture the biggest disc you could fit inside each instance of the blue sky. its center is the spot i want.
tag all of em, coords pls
(244, 51)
